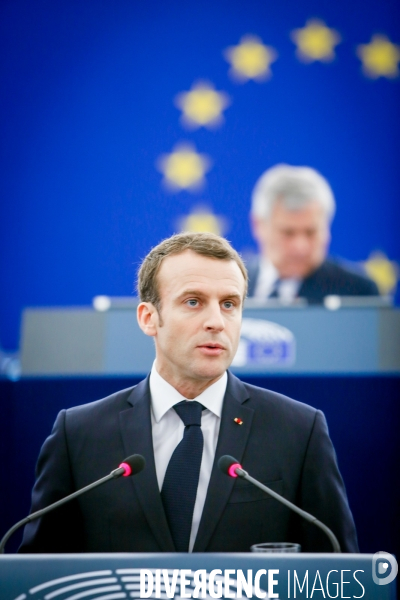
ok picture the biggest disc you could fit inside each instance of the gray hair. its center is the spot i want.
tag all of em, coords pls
(295, 187)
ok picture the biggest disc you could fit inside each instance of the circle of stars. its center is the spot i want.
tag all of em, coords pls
(202, 106)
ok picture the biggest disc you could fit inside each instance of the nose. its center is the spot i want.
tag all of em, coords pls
(300, 245)
(214, 320)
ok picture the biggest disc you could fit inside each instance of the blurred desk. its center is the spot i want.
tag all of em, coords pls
(281, 340)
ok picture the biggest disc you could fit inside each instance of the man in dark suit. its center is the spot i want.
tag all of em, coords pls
(182, 418)
(292, 208)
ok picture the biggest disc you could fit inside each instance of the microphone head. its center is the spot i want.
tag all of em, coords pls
(133, 464)
(228, 465)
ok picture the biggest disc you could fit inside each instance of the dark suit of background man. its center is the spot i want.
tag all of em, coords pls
(292, 208)
(191, 288)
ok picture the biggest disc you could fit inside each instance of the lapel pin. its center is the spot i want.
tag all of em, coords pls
(238, 421)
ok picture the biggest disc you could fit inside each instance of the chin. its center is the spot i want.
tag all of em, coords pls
(298, 273)
(211, 371)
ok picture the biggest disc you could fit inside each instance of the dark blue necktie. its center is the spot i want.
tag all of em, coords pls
(182, 476)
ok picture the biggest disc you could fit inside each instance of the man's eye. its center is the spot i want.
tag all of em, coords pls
(228, 304)
(192, 302)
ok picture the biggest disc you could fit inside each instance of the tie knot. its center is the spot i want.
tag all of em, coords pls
(189, 412)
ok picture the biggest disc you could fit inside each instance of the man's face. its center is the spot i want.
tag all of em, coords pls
(295, 241)
(198, 329)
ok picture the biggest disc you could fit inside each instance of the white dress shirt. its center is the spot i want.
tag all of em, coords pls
(168, 428)
(268, 280)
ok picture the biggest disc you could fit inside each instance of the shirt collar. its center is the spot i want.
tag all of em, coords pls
(164, 395)
(268, 270)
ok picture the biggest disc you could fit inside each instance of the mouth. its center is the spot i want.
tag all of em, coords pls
(211, 349)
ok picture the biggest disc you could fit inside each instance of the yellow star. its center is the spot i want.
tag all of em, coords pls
(250, 59)
(383, 271)
(379, 58)
(184, 168)
(202, 106)
(315, 41)
(202, 219)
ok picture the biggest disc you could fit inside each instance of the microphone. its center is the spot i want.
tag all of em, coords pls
(129, 466)
(230, 466)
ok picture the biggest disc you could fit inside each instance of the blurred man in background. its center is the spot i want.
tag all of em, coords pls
(292, 209)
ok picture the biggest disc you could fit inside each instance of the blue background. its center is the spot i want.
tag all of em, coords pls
(87, 108)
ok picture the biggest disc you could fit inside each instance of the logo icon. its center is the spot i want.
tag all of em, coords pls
(264, 343)
(384, 568)
(128, 583)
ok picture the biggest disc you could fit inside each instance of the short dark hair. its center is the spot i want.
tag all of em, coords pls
(205, 244)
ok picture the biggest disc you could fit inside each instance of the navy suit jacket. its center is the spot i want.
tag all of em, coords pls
(330, 278)
(283, 443)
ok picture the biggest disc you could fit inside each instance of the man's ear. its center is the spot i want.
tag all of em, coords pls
(148, 318)
(328, 238)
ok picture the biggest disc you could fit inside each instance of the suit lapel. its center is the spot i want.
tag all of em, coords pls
(253, 268)
(135, 424)
(313, 286)
(232, 440)
(307, 287)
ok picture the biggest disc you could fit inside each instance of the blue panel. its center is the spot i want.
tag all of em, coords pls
(349, 343)
(127, 349)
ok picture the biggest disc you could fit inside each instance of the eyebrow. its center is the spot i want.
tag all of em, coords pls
(199, 294)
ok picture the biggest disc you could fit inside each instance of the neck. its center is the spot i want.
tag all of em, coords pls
(188, 388)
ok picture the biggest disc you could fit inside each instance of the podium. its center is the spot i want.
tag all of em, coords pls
(250, 575)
